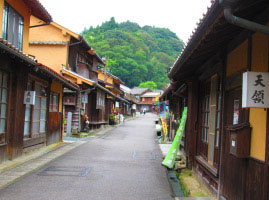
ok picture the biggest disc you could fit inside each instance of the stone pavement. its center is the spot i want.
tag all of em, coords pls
(124, 163)
(13, 170)
(194, 198)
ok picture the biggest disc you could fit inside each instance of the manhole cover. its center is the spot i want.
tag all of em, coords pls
(65, 171)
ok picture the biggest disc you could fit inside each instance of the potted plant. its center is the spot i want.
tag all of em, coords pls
(112, 119)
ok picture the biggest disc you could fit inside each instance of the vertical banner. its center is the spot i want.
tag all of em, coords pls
(164, 127)
(164, 116)
(170, 158)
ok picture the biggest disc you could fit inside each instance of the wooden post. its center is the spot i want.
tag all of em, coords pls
(191, 127)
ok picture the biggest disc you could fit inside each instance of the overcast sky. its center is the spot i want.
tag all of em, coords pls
(180, 16)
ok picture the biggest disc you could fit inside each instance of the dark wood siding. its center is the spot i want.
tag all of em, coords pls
(15, 146)
(54, 128)
(83, 70)
(235, 169)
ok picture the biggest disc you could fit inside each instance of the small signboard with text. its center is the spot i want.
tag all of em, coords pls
(84, 98)
(255, 91)
(29, 97)
(117, 104)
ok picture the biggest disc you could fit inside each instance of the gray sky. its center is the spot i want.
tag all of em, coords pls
(180, 16)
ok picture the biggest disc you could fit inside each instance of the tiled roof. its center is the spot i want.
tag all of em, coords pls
(58, 76)
(138, 91)
(125, 88)
(38, 10)
(131, 98)
(151, 94)
(146, 103)
(113, 76)
(11, 49)
(49, 42)
(192, 37)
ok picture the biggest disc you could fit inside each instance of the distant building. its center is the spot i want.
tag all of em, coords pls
(148, 101)
(138, 92)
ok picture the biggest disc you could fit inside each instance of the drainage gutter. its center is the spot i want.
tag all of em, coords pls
(243, 23)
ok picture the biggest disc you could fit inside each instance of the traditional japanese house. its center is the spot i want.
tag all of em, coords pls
(70, 55)
(148, 101)
(112, 83)
(130, 108)
(226, 145)
(31, 114)
(138, 92)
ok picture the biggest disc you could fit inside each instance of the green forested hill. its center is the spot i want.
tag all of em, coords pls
(135, 54)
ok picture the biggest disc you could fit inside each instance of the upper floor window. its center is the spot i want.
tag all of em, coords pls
(12, 29)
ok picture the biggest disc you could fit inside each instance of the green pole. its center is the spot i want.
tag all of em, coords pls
(170, 158)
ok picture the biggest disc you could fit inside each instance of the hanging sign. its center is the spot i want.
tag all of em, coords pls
(84, 98)
(255, 91)
(100, 100)
(29, 97)
(117, 105)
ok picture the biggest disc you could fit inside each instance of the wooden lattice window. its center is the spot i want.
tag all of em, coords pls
(36, 115)
(4, 77)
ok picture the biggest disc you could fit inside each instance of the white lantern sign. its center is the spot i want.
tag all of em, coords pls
(117, 104)
(255, 91)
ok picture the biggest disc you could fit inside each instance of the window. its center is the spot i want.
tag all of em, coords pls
(35, 116)
(205, 113)
(3, 105)
(12, 27)
(54, 102)
(211, 118)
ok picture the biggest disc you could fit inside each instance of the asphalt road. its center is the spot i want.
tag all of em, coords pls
(123, 164)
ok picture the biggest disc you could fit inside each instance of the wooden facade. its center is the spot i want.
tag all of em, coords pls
(24, 126)
(79, 63)
(212, 72)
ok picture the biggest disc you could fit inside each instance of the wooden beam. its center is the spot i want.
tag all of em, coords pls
(191, 126)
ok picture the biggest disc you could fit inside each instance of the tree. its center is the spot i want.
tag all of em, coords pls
(148, 84)
(135, 54)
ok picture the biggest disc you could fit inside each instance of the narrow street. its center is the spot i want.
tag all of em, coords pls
(125, 163)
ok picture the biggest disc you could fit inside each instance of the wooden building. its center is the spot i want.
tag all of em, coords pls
(130, 107)
(113, 83)
(70, 55)
(30, 93)
(148, 101)
(226, 145)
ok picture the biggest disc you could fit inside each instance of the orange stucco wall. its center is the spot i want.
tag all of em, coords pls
(46, 33)
(54, 56)
(25, 12)
(258, 116)
(58, 88)
(237, 59)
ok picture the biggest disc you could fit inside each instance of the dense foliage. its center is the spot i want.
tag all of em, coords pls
(135, 54)
(148, 84)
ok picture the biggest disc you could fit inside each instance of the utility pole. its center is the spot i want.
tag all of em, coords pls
(105, 68)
